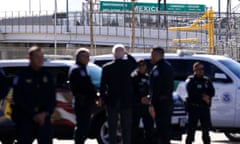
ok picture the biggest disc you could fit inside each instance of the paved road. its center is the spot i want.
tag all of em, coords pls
(217, 138)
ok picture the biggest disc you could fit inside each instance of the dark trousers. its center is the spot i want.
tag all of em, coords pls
(196, 113)
(142, 111)
(163, 111)
(83, 114)
(27, 130)
(125, 121)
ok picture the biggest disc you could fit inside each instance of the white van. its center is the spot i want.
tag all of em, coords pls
(225, 75)
(63, 117)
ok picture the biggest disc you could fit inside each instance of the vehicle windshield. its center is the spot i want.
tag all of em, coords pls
(232, 65)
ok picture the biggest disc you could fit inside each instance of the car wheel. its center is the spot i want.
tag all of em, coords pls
(7, 141)
(232, 136)
(103, 132)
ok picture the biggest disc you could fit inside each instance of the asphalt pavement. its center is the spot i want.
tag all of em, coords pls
(216, 138)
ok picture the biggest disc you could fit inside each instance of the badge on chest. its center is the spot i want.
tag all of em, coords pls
(83, 73)
(199, 86)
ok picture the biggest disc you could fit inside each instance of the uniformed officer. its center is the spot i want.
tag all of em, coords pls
(161, 80)
(141, 101)
(84, 94)
(34, 101)
(200, 91)
(3, 84)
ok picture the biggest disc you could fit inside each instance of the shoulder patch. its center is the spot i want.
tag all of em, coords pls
(45, 79)
(83, 73)
(15, 80)
(155, 73)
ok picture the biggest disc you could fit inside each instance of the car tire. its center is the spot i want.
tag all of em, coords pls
(7, 141)
(232, 136)
(103, 132)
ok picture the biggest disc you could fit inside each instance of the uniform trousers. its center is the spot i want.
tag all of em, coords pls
(83, 116)
(27, 130)
(125, 114)
(196, 113)
(163, 110)
(142, 111)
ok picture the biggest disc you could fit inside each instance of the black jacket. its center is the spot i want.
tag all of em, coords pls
(116, 83)
(34, 92)
(81, 85)
(3, 84)
(161, 80)
(196, 87)
(141, 86)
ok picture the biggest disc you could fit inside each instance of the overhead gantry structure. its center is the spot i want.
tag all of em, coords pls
(209, 26)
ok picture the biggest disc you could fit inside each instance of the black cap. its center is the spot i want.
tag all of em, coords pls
(141, 62)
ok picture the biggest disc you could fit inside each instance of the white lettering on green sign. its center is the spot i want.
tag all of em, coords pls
(149, 7)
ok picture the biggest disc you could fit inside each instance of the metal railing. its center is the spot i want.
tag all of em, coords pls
(148, 26)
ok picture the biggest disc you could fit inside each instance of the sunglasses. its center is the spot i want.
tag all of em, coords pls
(200, 68)
(140, 65)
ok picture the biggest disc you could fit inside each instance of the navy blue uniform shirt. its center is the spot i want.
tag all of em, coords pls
(161, 81)
(197, 87)
(34, 92)
(141, 86)
(81, 85)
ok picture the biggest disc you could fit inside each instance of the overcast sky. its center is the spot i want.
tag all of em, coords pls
(75, 5)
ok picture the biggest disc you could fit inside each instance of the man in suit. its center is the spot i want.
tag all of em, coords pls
(117, 91)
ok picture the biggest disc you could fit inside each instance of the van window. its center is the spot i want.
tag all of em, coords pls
(211, 69)
(60, 76)
(182, 68)
(232, 66)
(101, 62)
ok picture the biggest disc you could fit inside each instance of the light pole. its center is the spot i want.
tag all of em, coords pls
(91, 25)
(159, 18)
(40, 7)
(30, 6)
(133, 25)
(55, 24)
(67, 15)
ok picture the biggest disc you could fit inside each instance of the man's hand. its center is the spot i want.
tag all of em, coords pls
(145, 100)
(206, 99)
(152, 111)
(99, 102)
(40, 118)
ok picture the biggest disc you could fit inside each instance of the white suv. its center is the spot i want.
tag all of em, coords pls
(225, 75)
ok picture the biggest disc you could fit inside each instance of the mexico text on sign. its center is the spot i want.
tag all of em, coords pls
(150, 7)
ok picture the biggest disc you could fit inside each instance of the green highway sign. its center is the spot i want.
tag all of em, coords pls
(150, 7)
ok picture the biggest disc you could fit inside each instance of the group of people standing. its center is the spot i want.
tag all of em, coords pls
(128, 90)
